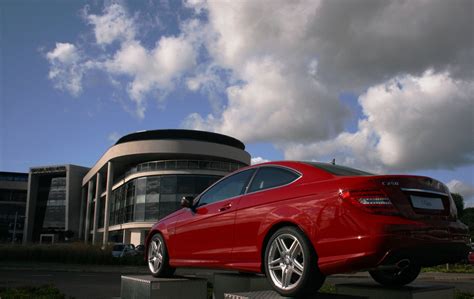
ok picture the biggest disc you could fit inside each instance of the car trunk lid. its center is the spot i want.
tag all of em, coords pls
(417, 196)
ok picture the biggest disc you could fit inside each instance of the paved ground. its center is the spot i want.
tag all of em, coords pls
(82, 281)
(75, 284)
(462, 282)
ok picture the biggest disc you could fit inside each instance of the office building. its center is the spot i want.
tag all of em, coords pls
(13, 188)
(53, 203)
(144, 175)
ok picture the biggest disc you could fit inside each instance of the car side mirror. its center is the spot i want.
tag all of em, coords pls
(187, 202)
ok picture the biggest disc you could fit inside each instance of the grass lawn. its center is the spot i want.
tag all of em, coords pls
(331, 289)
(452, 268)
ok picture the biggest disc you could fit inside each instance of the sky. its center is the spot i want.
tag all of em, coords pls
(385, 86)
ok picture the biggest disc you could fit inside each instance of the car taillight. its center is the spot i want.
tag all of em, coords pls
(371, 201)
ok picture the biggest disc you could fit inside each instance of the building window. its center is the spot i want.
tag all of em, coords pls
(183, 164)
(55, 214)
(101, 212)
(152, 198)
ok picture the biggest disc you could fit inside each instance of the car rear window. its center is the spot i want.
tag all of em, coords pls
(271, 177)
(338, 169)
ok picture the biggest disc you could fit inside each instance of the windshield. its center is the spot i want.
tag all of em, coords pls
(338, 169)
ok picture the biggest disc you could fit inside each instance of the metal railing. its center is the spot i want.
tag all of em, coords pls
(181, 164)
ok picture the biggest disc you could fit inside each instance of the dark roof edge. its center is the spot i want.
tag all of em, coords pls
(14, 173)
(178, 134)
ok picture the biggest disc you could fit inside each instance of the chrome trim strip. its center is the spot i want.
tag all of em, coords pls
(255, 169)
(424, 191)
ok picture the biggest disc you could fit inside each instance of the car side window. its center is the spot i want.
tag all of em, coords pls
(271, 177)
(227, 188)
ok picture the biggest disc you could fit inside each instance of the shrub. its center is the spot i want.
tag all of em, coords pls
(40, 292)
(73, 253)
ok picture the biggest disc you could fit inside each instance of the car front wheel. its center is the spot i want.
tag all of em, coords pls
(158, 261)
(291, 263)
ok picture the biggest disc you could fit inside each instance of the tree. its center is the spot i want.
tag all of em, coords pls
(468, 219)
(459, 201)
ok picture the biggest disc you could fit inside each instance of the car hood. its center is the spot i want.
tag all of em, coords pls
(172, 215)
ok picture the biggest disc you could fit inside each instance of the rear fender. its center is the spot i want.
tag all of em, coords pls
(285, 214)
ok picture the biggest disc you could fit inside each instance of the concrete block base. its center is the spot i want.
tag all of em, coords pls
(147, 286)
(275, 295)
(233, 283)
(373, 291)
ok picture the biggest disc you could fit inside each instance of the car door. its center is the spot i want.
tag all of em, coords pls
(205, 234)
(267, 186)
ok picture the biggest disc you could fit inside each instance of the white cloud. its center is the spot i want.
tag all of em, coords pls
(291, 60)
(114, 24)
(266, 48)
(113, 137)
(258, 160)
(274, 70)
(275, 105)
(362, 43)
(197, 5)
(65, 69)
(64, 53)
(410, 123)
(465, 189)
(152, 69)
(147, 71)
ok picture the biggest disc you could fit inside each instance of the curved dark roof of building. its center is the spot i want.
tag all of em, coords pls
(175, 134)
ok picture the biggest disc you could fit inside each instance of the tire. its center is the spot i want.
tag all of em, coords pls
(291, 264)
(396, 278)
(158, 260)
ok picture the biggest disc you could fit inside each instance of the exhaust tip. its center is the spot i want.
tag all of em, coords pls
(402, 264)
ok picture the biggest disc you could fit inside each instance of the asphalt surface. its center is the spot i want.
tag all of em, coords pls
(104, 281)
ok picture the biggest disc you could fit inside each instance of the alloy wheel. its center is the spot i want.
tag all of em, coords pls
(286, 261)
(155, 254)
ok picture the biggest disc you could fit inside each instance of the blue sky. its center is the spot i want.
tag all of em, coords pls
(386, 94)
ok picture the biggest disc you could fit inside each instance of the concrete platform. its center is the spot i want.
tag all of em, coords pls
(237, 283)
(147, 286)
(275, 295)
(418, 291)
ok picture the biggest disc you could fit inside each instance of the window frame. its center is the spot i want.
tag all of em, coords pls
(299, 176)
(244, 188)
(249, 183)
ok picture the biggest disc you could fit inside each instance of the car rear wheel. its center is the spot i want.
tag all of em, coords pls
(397, 277)
(158, 261)
(291, 263)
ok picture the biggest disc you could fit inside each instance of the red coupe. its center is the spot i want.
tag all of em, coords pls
(298, 222)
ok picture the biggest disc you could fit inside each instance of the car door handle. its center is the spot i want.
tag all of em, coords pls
(226, 207)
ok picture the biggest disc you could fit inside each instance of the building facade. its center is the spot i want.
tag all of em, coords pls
(13, 190)
(53, 203)
(143, 177)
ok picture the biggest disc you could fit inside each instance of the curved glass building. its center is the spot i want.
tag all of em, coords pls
(142, 178)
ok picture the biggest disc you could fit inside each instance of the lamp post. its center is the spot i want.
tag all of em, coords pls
(14, 227)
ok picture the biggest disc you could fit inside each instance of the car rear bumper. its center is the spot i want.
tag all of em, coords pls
(427, 254)
(420, 243)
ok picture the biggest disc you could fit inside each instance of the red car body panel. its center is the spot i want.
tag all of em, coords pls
(470, 258)
(232, 233)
